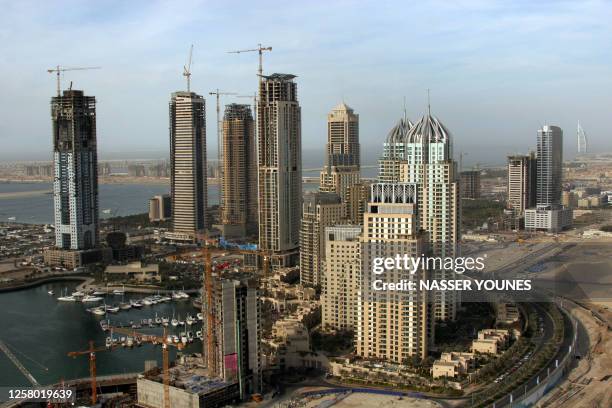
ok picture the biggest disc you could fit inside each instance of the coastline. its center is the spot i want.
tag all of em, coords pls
(101, 180)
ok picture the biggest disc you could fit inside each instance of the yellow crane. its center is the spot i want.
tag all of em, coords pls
(153, 339)
(91, 352)
(58, 72)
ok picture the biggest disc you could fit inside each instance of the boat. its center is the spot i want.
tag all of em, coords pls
(175, 338)
(158, 320)
(181, 322)
(77, 294)
(109, 342)
(174, 322)
(67, 299)
(169, 339)
(89, 299)
(100, 312)
(200, 316)
(119, 292)
(51, 292)
(164, 321)
(199, 334)
(176, 295)
(124, 306)
(129, 342)
(112, 309)
(189, 320)
(165, 298)
(98, 293)
(135, 304)
(190, 336)
(146, 301)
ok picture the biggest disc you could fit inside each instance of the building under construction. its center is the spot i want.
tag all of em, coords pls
(190, 386)
(233, 330)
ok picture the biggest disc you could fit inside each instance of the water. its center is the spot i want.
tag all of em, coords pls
(41, 331)
(121, 199)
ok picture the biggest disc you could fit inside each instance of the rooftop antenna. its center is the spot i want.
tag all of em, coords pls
(405, 114)
(187, 69)
(428, 103)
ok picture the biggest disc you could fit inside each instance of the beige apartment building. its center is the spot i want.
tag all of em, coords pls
(320, 210)
(341, 278)
(239, 184)
(280, 169)
(342, 160)
(392, 324)
(188, 161)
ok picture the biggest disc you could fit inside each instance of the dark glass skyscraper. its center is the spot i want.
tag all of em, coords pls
(75, 185)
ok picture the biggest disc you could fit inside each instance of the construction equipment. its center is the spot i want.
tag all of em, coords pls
(58, 71)
(91, 352)
(153, 339)
(260, 50)
(218, 94)
(187, 69)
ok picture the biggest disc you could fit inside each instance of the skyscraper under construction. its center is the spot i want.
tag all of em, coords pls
(239, 185)
(75, 186)
(188, 161)
(280, 168)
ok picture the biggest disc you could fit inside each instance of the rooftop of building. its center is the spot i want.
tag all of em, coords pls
(428, 130)
(280, 77)
(193, 379)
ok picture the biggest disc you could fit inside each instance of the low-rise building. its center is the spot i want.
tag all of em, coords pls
(138, 271)
(491, 341)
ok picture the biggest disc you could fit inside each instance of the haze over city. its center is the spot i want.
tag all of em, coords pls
(496, 71)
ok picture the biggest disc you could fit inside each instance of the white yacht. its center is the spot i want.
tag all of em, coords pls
(90, 299)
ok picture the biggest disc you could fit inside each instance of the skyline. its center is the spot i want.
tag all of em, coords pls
(478, 68)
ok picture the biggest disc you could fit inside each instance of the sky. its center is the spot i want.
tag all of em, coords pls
(496, 70)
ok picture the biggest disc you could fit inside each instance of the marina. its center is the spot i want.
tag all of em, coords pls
(45, 329)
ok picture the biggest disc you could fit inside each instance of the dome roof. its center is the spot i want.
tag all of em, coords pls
(399, 132)
(428, 130)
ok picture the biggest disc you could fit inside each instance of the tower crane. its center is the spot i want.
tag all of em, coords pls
(187, 69)
(58, 71)
(260, 50)
(91, 352)
(218, 94)
(153, 339)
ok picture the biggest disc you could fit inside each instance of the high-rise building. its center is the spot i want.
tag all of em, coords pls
(342, 277)
(550, 167)
(428, 163)
(470, 184)
(357, 203)
(75, 186)
(280, 169)
(188, 162)
(549, 215)
(239, 184)
(342, 152)
(392, 324)
(394, 152)
(236, 334)
(160, 207)
(521, 183)
(320, 210)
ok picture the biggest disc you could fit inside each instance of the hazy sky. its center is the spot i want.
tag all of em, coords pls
(497, 70)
